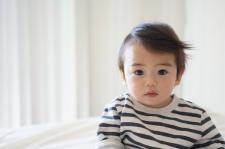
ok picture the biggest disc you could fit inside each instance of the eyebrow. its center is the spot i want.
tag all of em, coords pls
(160, 64)
(136, 64)
(165, 64)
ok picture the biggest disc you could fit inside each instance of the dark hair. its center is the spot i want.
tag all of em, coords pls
(156, 37)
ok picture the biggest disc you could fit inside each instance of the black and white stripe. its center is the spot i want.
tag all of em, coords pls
(183, 125)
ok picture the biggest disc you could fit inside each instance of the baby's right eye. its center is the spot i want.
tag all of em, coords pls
(139, 72)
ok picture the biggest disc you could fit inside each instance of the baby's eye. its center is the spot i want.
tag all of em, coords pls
(162, 72)
(139, 72)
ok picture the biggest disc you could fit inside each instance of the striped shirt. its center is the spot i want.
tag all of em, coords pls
(126, 123)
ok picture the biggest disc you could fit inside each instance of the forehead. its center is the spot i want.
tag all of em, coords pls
(136, 53)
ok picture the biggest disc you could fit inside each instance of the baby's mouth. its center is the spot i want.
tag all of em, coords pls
(151, 94)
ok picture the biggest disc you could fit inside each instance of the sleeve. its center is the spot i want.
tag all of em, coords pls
(108, 133)
(211, 137)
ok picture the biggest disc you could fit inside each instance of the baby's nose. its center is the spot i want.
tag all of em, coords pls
(151, 81)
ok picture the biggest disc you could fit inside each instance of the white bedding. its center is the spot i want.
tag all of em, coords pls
(75, 135)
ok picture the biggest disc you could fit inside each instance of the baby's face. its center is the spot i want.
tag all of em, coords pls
(150, 77)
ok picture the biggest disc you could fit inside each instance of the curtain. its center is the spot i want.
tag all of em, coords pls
(40, 57)
(204, 78)
(58, 58)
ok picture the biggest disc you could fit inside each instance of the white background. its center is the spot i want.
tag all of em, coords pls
(58, 59)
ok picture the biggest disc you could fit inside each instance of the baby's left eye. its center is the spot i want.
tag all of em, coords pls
(162, 72)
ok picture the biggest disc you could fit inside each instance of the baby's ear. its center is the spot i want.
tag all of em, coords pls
(123, 78)
(122, 75)
(179, 77)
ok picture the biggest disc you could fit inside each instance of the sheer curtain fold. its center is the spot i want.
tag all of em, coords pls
(38, 81)
(9, 63)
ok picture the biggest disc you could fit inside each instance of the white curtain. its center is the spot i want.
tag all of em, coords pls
(58, 57)
(204, 79)
(40, 61)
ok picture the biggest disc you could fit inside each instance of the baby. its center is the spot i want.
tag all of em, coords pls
(152, 62)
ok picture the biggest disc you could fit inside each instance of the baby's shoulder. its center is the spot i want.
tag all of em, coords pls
(120, 102)
(188, 106)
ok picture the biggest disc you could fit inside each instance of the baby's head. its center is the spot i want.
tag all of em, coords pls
(157, 38)
(152, 61)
